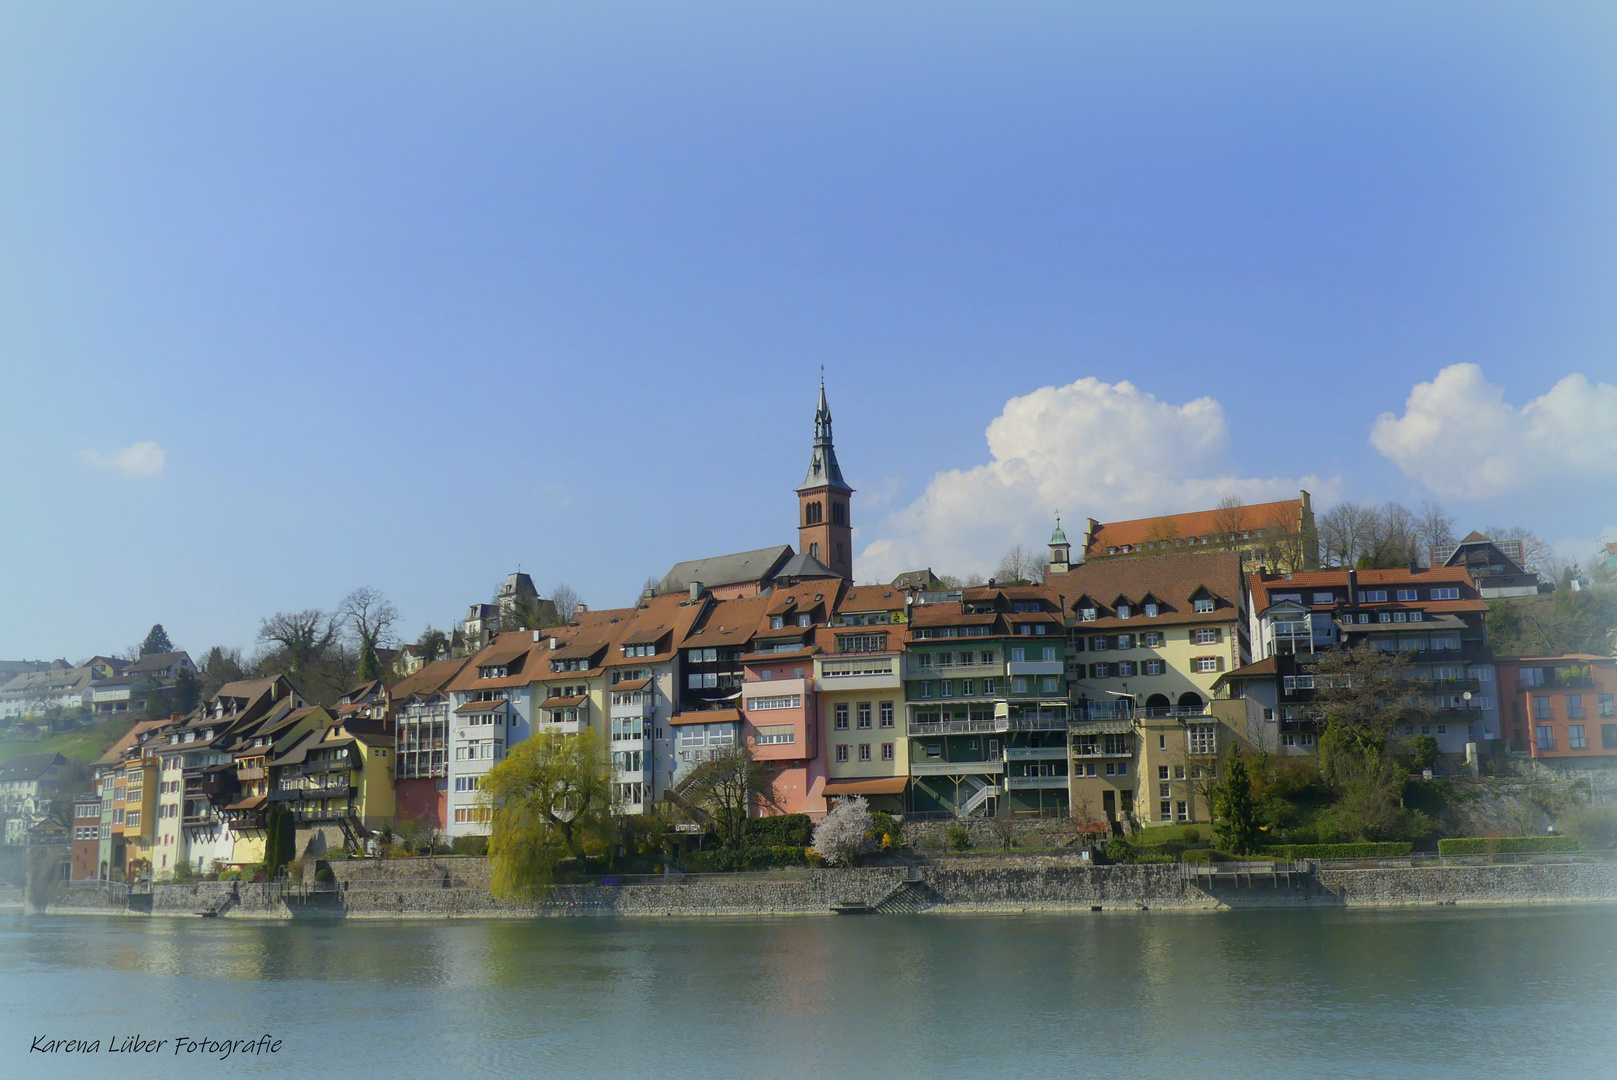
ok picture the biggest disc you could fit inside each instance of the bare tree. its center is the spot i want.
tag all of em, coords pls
(1535, 552)
(1229, 521)
(1163, 531)
(1436, 527)
(566, 599)
(1019, 566)
(723, 792)
(1282, 547)
(301, 637)
(369, 617)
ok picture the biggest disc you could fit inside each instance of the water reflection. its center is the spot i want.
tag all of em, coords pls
(1249, 994)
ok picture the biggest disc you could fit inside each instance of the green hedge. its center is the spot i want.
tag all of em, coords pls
(1506, 845)
(781, 830)
(1393, 850)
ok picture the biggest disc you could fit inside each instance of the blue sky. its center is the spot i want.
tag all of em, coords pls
(405, 295)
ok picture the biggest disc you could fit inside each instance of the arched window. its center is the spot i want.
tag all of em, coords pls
(839, 513)
(813, 513)
(1189, 700)
(1158, 701)
(814, 550)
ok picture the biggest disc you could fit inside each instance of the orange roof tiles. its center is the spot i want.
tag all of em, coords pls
(1198, 523)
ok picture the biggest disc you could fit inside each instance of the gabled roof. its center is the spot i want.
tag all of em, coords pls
(1174, 580)
(872, 598)
(161, 661)
(127, 742)
(741, 567)
(29, 766)
(804, 565)
(430, 681)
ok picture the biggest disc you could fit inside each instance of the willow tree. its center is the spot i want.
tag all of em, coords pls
(550, 799)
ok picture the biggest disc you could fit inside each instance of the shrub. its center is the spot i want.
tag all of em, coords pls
(469, 845)
(1389, 850)
(1594, 826)
(782, 830)
(1506, 845)
(841, 835)
(889, 831)
(1119, 850)
(1422, 752)
(294, 870)
(958, 837)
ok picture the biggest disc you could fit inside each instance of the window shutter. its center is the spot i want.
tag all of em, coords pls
(1218, 634)
(1220, 664)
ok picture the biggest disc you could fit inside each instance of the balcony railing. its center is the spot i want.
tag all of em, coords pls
(1036, 783)
(1035, 753)
(1179, 712)
(955, 768)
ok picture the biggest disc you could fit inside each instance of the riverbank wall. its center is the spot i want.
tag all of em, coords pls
(459, 888)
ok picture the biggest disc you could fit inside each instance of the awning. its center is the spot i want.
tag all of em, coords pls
(707, 716)
(250, 803)
(886, 785)
(482, 706)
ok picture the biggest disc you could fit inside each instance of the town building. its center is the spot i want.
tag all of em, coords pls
(1279, 534)
(825, 525)
(1435, 618)
(1495, 566)
(1561, 710)
(420, 708)
(1147, 640)
(861, 703)
(491, 707)
(28, 786)
(86, 836)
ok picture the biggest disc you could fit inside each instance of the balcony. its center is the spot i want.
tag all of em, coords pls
(1177, 712)
(1036, 753)
(643, 711)
(1037, 667)
(559, 727)
(1036, 783)
(1099, 752)
(955, 768)
(913, 669)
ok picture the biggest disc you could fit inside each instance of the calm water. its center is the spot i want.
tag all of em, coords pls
(1451, 993)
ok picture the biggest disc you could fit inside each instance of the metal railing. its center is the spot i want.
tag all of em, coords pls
(1428, 860)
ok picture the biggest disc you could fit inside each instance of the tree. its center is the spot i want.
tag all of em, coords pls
(725, 790)
(156, 641)
(301, 637)
(1362, 693)
(1282, 546)
(1019, 566)
(370, 667)
(1562, 622)
(1534, 549)
(369, 617)
(841, 836)
(1436, 527)
(548, 799)
(1235, 814)
(432, 645)
(1229, 522)
(566, 599)
(220, 666)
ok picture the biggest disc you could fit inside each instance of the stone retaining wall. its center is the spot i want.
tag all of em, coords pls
(458, 888)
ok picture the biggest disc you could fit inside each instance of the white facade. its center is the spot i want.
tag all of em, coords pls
(479, 737)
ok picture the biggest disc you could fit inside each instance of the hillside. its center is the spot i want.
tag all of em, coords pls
(81, 744)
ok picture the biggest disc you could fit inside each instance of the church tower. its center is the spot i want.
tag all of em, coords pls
(823, 526)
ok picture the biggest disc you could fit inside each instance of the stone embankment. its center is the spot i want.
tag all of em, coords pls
(459, 888)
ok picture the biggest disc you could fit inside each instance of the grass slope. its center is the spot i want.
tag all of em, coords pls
(81, 744)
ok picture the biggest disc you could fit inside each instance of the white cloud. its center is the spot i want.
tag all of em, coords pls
(1461, 438)
(137, 459)
(1090, 449)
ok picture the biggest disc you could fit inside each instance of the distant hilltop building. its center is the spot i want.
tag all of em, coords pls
(1278, 534)
(1495, 566)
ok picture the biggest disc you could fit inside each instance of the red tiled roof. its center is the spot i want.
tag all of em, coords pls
(1198, 523)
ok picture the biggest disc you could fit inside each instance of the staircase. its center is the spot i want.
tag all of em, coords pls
(977, 798)
(905, 898)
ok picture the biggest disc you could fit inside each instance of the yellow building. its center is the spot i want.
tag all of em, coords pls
(1147, 640)
(860, 698)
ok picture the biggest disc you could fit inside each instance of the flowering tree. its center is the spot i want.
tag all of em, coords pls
(840, 836)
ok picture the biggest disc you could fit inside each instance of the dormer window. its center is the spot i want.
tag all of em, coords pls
(1123, 611)
(1086, 614)
(1150, 609)
(1203, 605)
(777, 622)
(803, 620)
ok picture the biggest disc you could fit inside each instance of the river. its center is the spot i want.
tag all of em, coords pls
(1481, 992)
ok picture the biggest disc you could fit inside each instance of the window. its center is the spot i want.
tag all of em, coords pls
(840, 714)
(1406, 595)
(1049, 654)
(1546, 738)
(864, 751)
(1574, 709)
(1541, 707)
(1123, 611)
(1018, 686)
(1018, 655)
(803, 620)
(1324, 598)
(776, 734)
(1575, 739)
(1100, 671)
(777, 621)
(1151, 640)
(1151, 609)
(887, 714)
(1165, 810)
(887, 751)
(842, 752)
(1203, 739)
(864, 715)
(1204, 637)
(1086, 614)
(1125, 669)
(1155, 667)
(1608, 736)
(861, 643)
(1373, 596)
(132, 818)
(1607, 706)
(1204, 606)
(790, 701)
(1049, 685)
(1100, 644)
(1446, 594)
(1178, 772)
(1162, 772)
(1183, 815)
(1203, 664)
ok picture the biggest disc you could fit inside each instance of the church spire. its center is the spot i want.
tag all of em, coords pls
(823, 470)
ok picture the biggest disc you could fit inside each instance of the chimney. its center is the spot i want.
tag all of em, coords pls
(646, 594)
(1353, 588)
(581, 609)
(536, 637)
(552, 644)
(696, 591)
